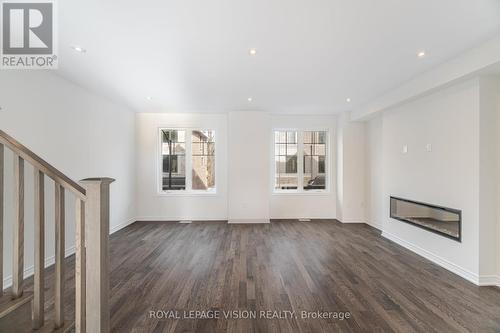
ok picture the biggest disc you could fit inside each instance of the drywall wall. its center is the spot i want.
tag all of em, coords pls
(446, 176)
(244, 183)
(488, 175)
(497, 99)
(350, 170)
(249, 167)
(307, 205)
(81, 134)
(452, 159)
(374, 173)
(154, 206)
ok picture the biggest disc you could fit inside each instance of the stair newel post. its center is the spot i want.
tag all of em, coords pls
(97, 253)
(80, 268)
(2, 159)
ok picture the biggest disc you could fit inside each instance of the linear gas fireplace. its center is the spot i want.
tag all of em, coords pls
(440, 220)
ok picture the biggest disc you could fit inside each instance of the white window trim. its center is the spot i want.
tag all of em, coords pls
(189, 174)
(300, 160)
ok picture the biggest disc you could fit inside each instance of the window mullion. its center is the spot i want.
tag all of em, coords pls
(189, 161)
(300, 160)
(327, 161)
(160, 162)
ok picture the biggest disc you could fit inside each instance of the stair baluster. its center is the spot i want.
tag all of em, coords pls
(39, 235)
(92, 228)
(18, 230)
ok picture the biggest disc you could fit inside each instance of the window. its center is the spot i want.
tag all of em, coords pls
(314, 160)
(187, 160)
(285, 152)
(203, 157)
(174, 160)
(300, 160)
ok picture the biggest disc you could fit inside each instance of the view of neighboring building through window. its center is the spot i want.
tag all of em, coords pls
(314, 160)
(187, 164)
(309, 148)
(285, 151)
(173, 150)
(203, 159)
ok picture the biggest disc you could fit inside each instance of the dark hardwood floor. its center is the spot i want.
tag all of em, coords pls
(284, 266)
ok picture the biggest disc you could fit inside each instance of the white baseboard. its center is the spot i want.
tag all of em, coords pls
(174, 219)
(352, 221)
(29, 271)
(295, 217)
(375, 225)
(114, 229)
(248, 221)
(489, 280)
(462, 272)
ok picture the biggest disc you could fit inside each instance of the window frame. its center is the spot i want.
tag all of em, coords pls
(188, 191)
(300, 162)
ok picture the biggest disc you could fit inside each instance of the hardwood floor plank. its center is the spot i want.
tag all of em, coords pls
(316, 266)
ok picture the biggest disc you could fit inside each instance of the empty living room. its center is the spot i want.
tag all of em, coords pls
(249, 166)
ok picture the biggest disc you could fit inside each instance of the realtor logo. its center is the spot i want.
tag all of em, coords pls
(28, 35)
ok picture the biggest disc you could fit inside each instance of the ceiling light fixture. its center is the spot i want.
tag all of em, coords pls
(149, 98)
(252, 52)
(79, 49)
(348, 100)
(250, 99)
(421, 54)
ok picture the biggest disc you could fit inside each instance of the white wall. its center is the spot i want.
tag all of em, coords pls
(81, 134)
(153, 206)
(488, 175)
(447, 176)
(374, 173)
(461, 123)
(339, 172)
(244, 170)
(249, 177)
(307, 205)
(489, 241)
(350, 170)
(497, 98)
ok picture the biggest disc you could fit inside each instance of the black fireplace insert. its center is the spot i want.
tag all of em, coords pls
(440, 220)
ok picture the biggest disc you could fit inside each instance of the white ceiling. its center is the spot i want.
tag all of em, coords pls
(192, 55)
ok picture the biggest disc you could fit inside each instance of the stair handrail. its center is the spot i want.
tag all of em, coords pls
(40, 164)
(92, 227)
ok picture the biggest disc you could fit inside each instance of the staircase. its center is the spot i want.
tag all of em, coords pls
(23, 311)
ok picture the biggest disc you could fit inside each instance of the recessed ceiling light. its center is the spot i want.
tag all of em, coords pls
(348, 100)
(250, 99)
(421, 54)
(78, 49)
(149, 98)
(252, 52)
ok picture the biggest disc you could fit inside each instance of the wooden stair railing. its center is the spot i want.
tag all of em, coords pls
(91, 237)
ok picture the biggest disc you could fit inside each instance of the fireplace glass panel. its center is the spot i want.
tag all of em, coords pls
(441, 220)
